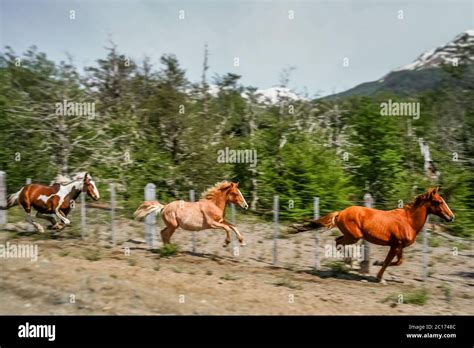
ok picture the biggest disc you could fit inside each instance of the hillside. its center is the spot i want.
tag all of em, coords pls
(424, 73)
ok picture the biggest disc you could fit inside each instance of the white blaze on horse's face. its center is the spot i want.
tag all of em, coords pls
(243, 204)
(95, 191)
(450, 215)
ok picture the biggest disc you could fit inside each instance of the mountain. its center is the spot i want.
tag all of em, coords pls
(457, 49)
(424, 73)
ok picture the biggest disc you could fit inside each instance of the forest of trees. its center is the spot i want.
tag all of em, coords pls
(152, 124)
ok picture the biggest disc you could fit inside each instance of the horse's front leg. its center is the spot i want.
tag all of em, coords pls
(238, 234)
(396, 263)
(51, 218)
(225, 227)
(62, 217)
(399, 259)
(391, 254)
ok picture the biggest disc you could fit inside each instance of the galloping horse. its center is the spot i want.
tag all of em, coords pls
(206, 213)
(396, 228)
(53, 201)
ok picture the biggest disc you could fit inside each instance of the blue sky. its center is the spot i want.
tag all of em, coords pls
(259, 33)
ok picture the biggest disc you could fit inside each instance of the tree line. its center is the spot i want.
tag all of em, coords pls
(151, 124)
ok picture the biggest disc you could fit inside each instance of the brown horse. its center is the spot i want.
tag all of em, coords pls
(53, 201)
(396, 228)
(207, 213)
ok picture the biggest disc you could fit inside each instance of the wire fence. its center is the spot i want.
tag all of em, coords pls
(150, 226)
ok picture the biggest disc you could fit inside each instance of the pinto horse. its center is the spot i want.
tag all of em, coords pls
(395, 228)
(207, 213)
(52, 202)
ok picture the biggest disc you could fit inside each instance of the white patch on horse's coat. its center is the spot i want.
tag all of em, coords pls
(64, 190)
(44, 198)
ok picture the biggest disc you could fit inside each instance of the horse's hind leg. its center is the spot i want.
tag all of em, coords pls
(171, 225)
(26, 204)
(29, 219)
(166, 234)
(350, 234)
(346, 240)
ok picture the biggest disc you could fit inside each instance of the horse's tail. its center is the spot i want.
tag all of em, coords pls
(328, 221)
(147, 207)
(12, 200)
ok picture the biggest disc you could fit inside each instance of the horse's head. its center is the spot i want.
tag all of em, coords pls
(437, 205)
(90, 188)
(235, 196)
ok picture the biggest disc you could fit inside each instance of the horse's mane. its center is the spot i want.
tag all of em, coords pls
(418, 200)
(212, 191)
(66, 180)
(61, 179)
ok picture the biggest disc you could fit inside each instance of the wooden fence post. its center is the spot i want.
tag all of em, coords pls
(193, 234)
(83, 216)
(365, 264)
(235, 248)
(276, 229)
(112, 211)
(317, 262)
(425, 249)
(3, 197)
(150, 219)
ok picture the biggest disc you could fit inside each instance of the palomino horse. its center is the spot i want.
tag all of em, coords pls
(396, 228)
(53, 201)
(208, 212)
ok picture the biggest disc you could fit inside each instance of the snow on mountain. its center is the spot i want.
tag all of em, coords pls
(274, 94)
(460, 49)
(213, 90)
(265, 96)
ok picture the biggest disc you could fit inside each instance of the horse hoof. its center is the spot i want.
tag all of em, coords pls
(40, 229)
(243, 244)
(378, 263)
